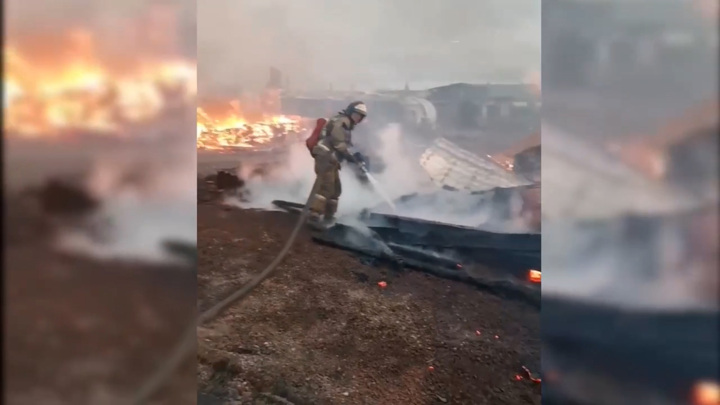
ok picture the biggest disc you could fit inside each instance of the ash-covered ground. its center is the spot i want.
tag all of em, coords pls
(88, 323)
(82, 331)
(321, 330)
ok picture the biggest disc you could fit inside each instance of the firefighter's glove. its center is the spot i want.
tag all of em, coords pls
(359, 158)
(362, 177)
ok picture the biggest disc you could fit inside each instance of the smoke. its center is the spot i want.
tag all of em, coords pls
(146, 181)
(604, 254)
(623, 239)
(318, 43)
(648, 270)
(403, 175)
(293, 180)
(147, 201)
(465, 209)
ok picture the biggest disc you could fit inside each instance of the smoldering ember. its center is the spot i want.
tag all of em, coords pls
(430, 275)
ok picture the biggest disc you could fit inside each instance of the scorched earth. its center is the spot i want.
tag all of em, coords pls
(321, 330)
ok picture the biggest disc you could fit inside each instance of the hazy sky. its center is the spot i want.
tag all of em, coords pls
(370, 43)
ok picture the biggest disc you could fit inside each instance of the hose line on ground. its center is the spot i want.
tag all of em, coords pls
(189, 340)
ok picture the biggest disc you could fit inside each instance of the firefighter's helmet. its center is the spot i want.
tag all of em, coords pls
(357, 107)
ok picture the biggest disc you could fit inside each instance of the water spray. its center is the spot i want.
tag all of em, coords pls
(377, 188)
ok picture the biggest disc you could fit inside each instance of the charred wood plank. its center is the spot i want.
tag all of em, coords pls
(289, 206)
(366, 243)
(436, 233)
(515, 252)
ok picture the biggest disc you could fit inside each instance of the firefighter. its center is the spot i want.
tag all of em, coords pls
(330, 151)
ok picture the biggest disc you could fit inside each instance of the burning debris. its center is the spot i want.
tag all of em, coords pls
(227, 129)
(498, 263)
(47, 92)
(442, 250)
(523, 158)
(706, 393)
(498, 236)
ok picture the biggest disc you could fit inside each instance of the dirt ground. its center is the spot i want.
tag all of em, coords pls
(321, 331)
(79, 331)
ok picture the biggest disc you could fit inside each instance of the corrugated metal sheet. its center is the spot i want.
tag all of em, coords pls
(451, 166)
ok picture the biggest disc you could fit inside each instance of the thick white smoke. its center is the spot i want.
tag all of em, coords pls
(599, 265)
(403, 175)
(146, 202)
(293, 180)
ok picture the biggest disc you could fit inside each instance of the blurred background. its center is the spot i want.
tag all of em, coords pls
(99, 197)
(630, 202)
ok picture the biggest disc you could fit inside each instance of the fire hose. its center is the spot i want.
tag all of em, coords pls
(189, 340)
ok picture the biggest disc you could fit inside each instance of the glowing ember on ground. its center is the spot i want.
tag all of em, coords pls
(530, 376)
(230, 129)
(706, 393)
(65, 87)
(534, 276)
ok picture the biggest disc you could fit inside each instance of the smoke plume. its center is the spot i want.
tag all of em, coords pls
(318, 43)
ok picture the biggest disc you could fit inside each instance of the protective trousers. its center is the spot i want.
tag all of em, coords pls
(327, 171)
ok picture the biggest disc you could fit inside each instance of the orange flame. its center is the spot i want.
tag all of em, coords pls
(534, 276)
(67, 88)
(229, 129)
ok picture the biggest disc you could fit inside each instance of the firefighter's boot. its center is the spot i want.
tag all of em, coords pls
(330, 210)
(318, 207)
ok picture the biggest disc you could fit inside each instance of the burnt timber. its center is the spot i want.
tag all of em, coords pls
(441, 249)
